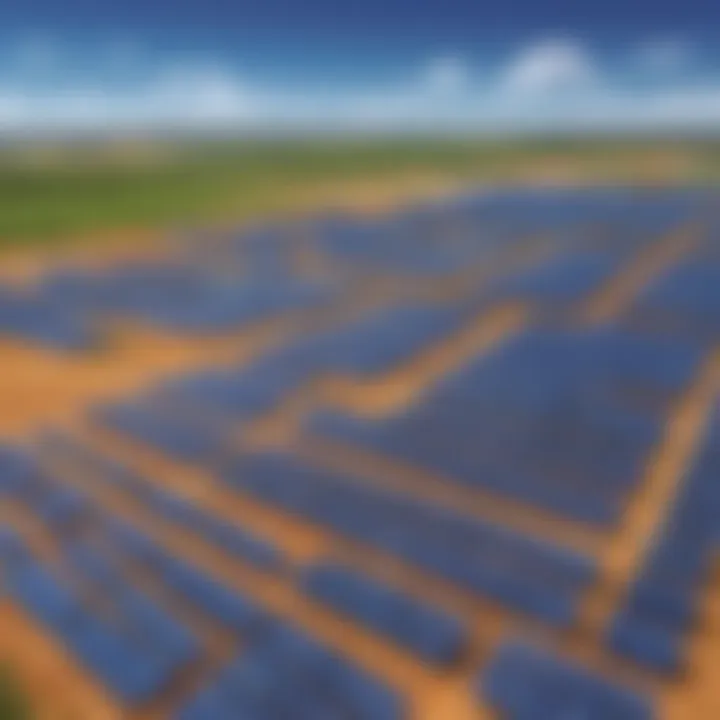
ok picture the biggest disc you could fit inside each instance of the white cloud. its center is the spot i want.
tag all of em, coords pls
(549, 67)
(191, 97)
(204, 92)
(447, 75)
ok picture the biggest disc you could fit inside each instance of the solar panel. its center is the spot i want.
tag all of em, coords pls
(508, 538)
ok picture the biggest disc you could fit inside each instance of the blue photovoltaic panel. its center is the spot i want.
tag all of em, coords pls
(285, 673)
(526, 574)
(549, 418)
(523, 682)
(424, 630)
(662, 603)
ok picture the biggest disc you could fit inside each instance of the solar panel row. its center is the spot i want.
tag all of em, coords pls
(284, 673)
(165, 505)
(545, 419)
(526, 683)
(684, 302)
(132, 669)
(662, 604)
(527, 575)
(422, 629)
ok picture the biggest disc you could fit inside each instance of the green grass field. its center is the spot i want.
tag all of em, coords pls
(49, 193)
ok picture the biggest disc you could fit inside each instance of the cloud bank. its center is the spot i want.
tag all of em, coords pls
(549, 85)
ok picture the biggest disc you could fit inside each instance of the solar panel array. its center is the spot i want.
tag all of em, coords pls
(501, 541)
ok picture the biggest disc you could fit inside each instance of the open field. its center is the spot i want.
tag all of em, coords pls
(70, 192)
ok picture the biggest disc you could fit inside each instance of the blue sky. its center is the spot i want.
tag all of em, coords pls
(455, 18)
(445, 65)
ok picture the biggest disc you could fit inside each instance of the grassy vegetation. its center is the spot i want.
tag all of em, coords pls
(12, 704)
(53, 192)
